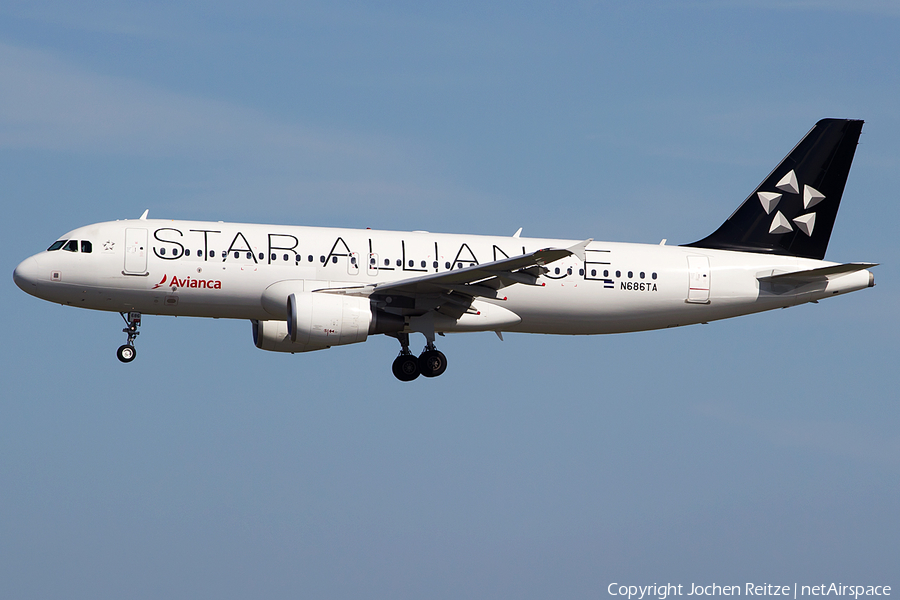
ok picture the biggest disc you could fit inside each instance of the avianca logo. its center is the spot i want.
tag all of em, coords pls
(187, 282)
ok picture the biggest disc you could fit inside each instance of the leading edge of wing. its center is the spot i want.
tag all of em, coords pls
(478, 280)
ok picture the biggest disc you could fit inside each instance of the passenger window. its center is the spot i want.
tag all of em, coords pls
(630, 274)
(285, 257)
(322, 259)
(411, 263)
(238, 255)
(399, 263)
(642, 274)
(162, 251)
(187, 252)
(333, 259)
(446, 265)
(618, 273)
(387, 262)
(261, 256)
(556, 270)
(606, 272)
(86, 246)
(653, 276)
(56, 245)
(72, 246)
(273, 256)
(593, 272)
(309, 258)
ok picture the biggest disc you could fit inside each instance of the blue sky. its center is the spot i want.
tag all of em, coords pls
(758, 449)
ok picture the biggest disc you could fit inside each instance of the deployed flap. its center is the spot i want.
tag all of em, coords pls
(810, 275)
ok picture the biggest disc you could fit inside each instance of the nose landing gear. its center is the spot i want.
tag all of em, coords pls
(126, 352)
(407, 366)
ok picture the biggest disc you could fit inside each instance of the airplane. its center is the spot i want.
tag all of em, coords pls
(311, 288)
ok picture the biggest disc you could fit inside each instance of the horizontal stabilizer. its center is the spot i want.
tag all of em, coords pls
(811, 275)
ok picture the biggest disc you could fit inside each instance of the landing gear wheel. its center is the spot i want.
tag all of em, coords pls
(126, 353)
(406, 367)
(432, 363)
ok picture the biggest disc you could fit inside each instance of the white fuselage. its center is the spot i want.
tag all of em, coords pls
(222, 270)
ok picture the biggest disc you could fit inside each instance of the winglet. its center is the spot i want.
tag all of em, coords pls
(578, 249)
(144, 216)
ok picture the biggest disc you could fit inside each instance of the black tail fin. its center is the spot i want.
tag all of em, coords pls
(793, 210)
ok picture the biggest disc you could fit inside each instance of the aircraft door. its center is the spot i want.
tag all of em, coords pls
(698, 279)
(135, 251)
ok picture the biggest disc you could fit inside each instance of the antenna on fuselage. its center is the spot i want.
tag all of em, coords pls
(518, 233)
(144, 216)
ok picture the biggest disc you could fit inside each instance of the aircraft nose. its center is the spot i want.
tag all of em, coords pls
(26, 274)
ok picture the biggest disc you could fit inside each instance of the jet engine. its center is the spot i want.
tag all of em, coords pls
(328, 319)
(318, 320)
(273, 336)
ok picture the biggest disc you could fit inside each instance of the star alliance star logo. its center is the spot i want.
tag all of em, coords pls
(109, 245)
(788, 184)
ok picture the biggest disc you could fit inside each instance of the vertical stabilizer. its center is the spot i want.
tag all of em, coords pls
(793, 210)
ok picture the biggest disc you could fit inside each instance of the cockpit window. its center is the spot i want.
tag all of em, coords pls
(71, 246)
(86, 246)
(56, 245)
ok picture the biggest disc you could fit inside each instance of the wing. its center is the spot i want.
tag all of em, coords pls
(453, 291)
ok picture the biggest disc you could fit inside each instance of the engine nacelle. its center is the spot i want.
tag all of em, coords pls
(314, 321)
(328, 319)
(274, 336)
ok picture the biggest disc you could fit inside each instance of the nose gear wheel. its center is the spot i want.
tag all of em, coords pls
(126, 353)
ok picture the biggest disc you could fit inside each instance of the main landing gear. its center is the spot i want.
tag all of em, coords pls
(407, 366)
(126, 352)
